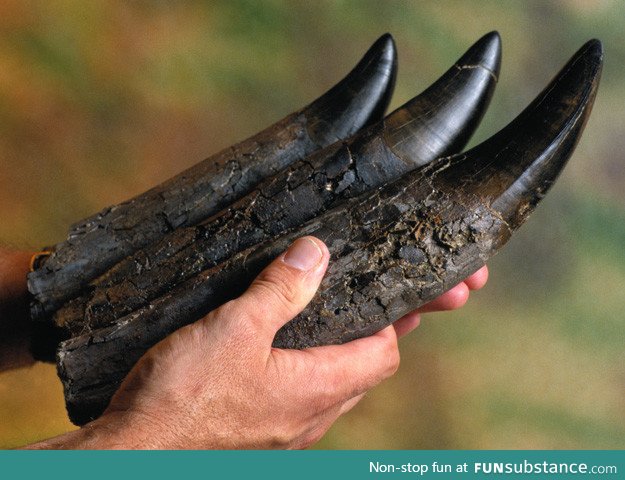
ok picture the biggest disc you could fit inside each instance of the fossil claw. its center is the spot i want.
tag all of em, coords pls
(512, 170)
(442, 117)
(394, 248)
(98, 242)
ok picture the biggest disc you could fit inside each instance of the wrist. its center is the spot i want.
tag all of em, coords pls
(128, 430)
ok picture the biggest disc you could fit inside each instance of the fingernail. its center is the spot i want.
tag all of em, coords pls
(303, 254)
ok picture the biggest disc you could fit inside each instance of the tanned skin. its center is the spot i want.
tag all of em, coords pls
(218, 383)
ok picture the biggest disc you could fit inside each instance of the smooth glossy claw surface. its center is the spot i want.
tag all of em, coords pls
(513, 169)
(451, 109)
(96, 243)
(358, 100)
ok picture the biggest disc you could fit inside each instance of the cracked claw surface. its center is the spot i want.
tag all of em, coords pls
(96, 243)
(443, 117)
(431, 229)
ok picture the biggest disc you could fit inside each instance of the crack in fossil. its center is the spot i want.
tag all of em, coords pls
(282, 207)
(480, 66)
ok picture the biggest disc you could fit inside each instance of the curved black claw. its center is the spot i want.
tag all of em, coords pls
(302, 191)
(358, 100)
(96, 243)
(393, 249)
(512, 170)
(442, 119)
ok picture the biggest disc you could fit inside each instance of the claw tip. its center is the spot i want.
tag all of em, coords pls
(359, 99)
(385, 48)
(486, 52)
(595, 45)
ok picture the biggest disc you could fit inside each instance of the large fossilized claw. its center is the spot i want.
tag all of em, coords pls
(96, 243)
(392, 250)
(427, 232)
(442, 118)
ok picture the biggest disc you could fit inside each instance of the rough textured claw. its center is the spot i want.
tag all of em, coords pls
(98, 242)
(439, 225)
(393, 249)
(449, 110)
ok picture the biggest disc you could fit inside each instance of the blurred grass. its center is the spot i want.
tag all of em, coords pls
(100, 101)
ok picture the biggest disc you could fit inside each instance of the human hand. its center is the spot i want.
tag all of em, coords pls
(218, 383)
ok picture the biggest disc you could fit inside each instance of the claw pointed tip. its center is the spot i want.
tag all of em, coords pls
(593, 47)
(486, 53)
(360, 99)
(586, 63)
(440, 121)
(382, 52)
(382, 57)
(386, 44)
(493, 36)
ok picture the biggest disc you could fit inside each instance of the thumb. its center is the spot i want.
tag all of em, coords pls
(285, 287)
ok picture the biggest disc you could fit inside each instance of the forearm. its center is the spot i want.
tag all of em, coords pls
(106, 433)
(14, 318)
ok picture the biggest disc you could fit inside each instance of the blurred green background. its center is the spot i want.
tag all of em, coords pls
(101, 100)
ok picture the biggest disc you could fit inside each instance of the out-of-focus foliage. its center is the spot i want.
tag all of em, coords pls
(101, 100)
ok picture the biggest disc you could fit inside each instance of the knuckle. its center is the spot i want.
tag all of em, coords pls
(230, 323)
(282, 439)
(336, 391)
(326, 388)
(230, 312)
(227, 311)
(284, 433)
